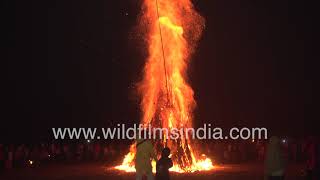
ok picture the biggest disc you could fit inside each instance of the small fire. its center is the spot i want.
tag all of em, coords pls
(167, 101)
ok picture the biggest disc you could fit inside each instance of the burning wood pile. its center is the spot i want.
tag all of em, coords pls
(167, 100)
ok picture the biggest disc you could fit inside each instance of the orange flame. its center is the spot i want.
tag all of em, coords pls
(173, 28)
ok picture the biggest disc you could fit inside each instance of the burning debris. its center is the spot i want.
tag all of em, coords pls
(167, 100)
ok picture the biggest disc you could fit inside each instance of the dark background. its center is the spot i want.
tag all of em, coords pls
(75, 64)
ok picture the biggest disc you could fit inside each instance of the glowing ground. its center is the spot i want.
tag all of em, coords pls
(99, 172)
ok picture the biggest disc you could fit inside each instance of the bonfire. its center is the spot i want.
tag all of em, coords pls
(167, 100)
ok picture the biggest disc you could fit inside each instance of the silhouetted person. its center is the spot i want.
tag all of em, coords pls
(274, 162)
(163, 165)
(9, 161)
(317, 169)
(2, 157)
(294, 149)
(311, 152)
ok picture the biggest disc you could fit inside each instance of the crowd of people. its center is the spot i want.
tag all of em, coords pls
(293, 150)
(276, 153)
(302, 151)
(18, 156)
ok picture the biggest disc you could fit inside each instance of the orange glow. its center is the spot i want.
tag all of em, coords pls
(173, 29)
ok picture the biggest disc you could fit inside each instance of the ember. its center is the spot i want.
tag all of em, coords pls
(173, 28)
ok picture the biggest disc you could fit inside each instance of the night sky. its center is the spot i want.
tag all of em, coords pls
(75, 63)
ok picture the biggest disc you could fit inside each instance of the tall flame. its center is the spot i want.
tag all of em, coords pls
(173, 28)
